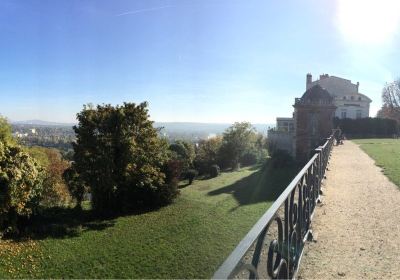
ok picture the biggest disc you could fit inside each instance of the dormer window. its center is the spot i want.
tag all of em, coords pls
(359, 98)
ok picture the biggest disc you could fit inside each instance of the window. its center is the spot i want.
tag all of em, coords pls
(344, 97)
(358, 114)
(343, 114)
(359, 98)
(352, 97)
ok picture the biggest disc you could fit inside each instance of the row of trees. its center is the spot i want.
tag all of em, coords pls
(240, 145)
(51, 136)
(119, 158)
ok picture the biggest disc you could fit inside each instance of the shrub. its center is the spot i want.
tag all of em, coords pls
(367, 127)
(21, 184)
(191, 174)
(214, 171)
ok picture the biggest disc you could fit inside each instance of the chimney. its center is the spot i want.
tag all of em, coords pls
(323, 76)
(308, 80)
(358, 84)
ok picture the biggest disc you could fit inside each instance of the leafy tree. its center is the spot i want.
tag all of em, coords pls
(21, 184)
(75, 185)
(207, 154)
(120, 157)
(5, 132)
(55, 191)
(237, 139)
(183, 152)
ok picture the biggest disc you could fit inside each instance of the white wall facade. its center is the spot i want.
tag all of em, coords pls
(349, 101)
(285, 124)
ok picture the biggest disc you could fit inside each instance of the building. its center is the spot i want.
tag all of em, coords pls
(313, 117)
(349, 101)
(314, 112)
(285, 124)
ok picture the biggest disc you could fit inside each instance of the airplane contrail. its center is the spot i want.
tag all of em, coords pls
(142, 10)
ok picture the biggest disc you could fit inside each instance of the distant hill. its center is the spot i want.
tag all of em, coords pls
(172, 130)
(41, 123)
(216, 128)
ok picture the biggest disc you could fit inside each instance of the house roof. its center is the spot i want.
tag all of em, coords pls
(317, 94)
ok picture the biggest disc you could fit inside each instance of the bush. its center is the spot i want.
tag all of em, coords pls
(21, 184)
(191, 174)
(214, 171)
(367, 127)
(281, 159)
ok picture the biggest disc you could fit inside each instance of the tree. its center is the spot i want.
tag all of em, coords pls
(207, 154)
(120, 157)
(237, 139)
(5, 132)
(391, 101)
(75, 185)
(55, 191)
(182, 151)
(21, 181)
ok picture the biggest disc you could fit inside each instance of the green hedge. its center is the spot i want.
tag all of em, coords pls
(367, 127)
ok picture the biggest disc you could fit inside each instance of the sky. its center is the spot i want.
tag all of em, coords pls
(191, 60)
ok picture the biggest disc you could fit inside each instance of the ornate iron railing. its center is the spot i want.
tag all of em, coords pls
(274, 246)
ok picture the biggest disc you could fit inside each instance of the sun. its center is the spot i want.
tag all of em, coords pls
(368, 21)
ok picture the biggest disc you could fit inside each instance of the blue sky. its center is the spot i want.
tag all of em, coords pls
(192, 60)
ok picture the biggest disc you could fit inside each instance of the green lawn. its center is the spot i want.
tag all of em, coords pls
(386, 153)
(188, 239)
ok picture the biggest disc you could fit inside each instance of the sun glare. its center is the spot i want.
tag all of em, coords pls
(368, 21)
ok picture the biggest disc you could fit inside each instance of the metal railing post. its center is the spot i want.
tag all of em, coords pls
(286, 223)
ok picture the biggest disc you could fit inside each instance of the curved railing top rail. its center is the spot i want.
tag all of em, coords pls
(298, 200)
(229, 265)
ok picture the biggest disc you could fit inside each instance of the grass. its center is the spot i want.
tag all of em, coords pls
(386, 153)
(188, 239)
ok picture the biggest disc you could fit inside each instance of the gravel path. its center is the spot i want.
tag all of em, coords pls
(357, 226)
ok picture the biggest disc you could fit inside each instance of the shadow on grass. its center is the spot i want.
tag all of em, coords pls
(264, 185)
(58, 222)
(183, 185)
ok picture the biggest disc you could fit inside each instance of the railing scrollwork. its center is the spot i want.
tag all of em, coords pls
(273, 247)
